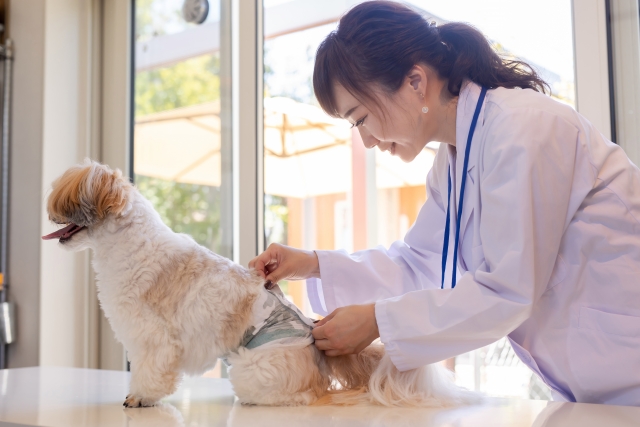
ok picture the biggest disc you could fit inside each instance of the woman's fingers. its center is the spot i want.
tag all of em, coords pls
(323, 345)
(270, 268)
(346, 330)
(328, 350)
(278, 273)
(281, 262)
(265, 259)
(282, 265)
(325, 339)
(324, 320)
(319, 334)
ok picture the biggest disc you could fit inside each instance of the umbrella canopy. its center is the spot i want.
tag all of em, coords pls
(180, 145)
(307, 153)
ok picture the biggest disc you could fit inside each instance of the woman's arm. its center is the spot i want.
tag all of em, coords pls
(373, 274)
(529, 166)
(336, 278)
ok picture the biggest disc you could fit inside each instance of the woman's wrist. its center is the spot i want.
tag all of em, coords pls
(315, 263)
(374, 321)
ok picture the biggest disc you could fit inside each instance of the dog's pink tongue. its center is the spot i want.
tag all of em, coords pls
(68, 230)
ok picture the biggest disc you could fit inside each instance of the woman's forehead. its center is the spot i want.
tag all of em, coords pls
(346, 103)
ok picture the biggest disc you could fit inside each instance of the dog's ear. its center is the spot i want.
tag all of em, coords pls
(87, 193)
(65, 200)
(110, 191)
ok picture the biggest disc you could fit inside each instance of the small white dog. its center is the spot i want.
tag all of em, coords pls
(177, 307)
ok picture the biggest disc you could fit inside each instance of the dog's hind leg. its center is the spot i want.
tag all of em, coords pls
(153, 376)
(278, 376)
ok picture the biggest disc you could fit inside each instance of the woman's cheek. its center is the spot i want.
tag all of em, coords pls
(376, 129)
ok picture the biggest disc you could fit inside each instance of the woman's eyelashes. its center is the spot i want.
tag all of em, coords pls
(359, 122)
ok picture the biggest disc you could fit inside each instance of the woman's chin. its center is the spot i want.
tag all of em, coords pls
(405, 156)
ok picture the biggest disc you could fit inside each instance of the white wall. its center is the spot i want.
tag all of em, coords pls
(27, 19)
(591, 63)
(625, 32)
(115, 126)
(66, 139)
(53, 127)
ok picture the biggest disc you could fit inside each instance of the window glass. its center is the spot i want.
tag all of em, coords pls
(323, 190)
(180, 144)
(541, 35)
(625, 67)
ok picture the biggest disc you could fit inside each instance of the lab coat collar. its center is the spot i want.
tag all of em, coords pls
(467, 100)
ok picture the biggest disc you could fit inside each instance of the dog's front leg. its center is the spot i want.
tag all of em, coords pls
(151, 380)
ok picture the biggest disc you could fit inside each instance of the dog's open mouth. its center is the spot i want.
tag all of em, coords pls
(65, 233)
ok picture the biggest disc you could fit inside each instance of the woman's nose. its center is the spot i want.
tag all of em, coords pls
(368, 140)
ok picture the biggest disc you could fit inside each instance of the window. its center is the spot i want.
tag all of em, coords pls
(179, 146)
(625, 67)
(182, 142)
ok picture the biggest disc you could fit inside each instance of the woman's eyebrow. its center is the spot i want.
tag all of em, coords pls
(348, 113)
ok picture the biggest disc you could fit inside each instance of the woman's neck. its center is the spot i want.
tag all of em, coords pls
(447, 115)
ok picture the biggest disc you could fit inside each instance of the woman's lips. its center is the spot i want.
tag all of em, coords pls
(391, 148)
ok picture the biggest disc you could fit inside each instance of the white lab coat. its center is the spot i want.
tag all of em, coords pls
(549, 253)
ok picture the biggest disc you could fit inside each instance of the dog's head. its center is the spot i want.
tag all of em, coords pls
(84, 196)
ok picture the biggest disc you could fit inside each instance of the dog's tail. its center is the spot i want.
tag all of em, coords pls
(370, 377)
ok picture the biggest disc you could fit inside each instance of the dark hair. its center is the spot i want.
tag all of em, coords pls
(380, 41)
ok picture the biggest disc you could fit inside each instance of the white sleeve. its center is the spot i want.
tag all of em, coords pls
(525, 185)
(373, 274)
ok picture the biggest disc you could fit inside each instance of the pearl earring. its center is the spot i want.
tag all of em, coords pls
(424, 109)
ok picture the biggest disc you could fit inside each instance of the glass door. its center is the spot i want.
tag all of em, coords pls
(182, 139)
(181, 145)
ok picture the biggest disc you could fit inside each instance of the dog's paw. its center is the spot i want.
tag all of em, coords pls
(133, 401)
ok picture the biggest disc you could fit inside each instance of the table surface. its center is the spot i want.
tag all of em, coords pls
(69, 397)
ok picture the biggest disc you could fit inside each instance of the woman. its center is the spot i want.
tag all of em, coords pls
(535, 208)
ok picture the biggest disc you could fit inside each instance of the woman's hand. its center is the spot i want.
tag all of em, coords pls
(347, 330)
(281, 262)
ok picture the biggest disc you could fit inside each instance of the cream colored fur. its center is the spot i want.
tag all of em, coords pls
(177, 307)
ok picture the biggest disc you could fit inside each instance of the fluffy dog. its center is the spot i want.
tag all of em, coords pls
(177, 307)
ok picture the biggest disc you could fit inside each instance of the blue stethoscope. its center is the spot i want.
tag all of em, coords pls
(445, 246)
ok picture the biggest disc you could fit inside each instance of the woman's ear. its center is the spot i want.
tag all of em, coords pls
(417, 79)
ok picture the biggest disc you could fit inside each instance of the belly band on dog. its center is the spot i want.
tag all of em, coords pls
(277, 322)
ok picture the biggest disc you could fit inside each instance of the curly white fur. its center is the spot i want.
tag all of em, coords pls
(177, 307)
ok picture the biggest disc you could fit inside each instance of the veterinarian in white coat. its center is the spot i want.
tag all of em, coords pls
(548, 247)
